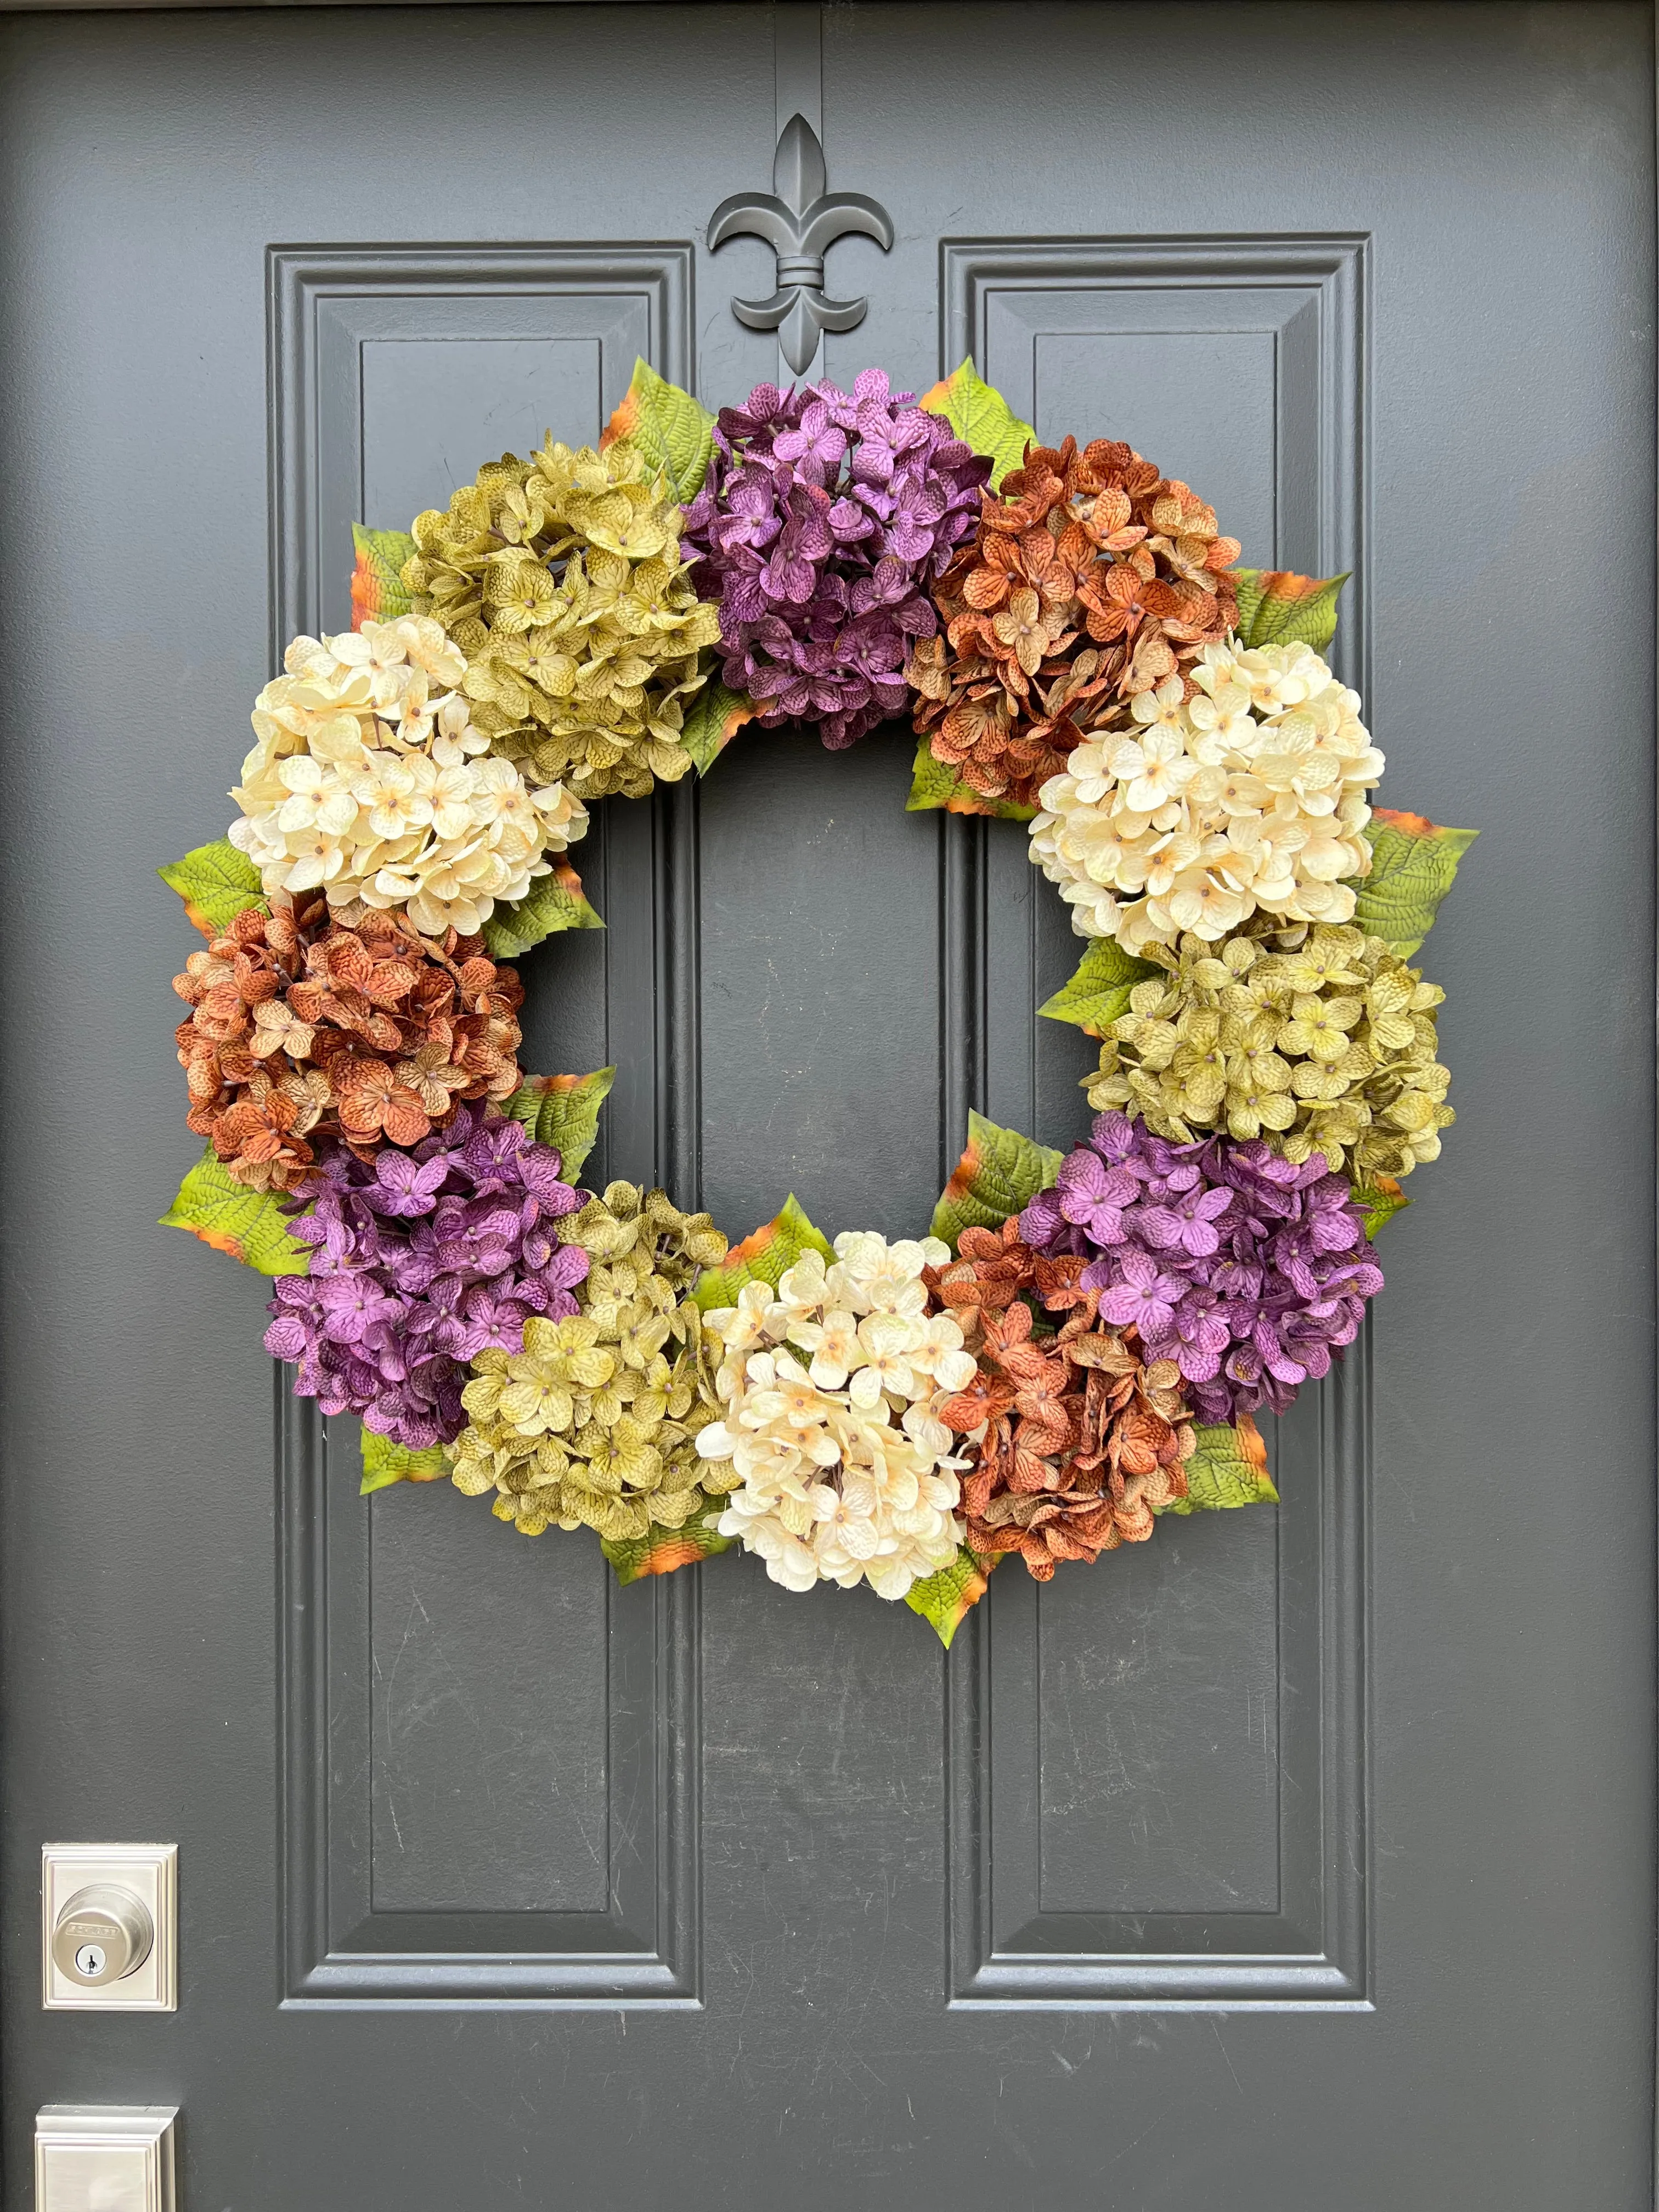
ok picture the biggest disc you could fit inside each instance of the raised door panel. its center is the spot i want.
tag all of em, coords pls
(1158, 1770)
(489, 1799)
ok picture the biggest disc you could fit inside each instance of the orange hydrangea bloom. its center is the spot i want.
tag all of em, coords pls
(1076, 1440)
(1089, 579)
(352, 1026)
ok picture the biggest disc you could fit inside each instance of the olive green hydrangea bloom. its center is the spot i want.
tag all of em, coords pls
(1319, 1040)
(560, 578)
(594, 1423)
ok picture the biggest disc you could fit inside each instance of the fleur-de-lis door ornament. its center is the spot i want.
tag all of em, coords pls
(799, 219)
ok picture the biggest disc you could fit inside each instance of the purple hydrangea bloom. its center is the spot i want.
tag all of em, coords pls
(419, 1259)
(823, 519)
(1246, 1270)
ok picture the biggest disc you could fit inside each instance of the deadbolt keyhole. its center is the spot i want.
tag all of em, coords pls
(102, 1935)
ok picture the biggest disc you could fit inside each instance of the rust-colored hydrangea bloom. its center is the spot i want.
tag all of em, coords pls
(1091, 578)
(1077, 1442)
(303, 1026)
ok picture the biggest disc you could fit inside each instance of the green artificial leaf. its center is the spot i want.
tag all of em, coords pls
(1099, 992)
(982, 419)
(668, 426)
(1382, 1199)
(386, 1463)
(1278, 607)
(660, 1550)
(249, 1225)
(555, 901)
(563, 1111)
(765, 1255)
(712, 721)
(378, 591)
(1414, 861)
(936, 783)
(1251, 593)
(946, 1599)
(1230, 1467)
(999, 1173)
(215, 883)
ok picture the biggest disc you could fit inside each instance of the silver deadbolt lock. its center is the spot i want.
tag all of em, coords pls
(109, 1927)
(101, 1935)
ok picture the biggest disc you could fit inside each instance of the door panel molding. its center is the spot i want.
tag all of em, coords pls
(326, 303)
(335, 1948)
(1007, 1952)
(1305, 299)
(326, 306)
(1309, 293)
(593, 308)
(1285, 317)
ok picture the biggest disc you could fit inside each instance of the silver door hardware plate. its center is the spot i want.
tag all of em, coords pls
(103, 2157)
(109, 1922)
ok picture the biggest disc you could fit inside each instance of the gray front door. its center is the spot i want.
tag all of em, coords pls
(1292, 1860)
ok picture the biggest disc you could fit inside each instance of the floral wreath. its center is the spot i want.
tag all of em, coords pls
(1079, 1345)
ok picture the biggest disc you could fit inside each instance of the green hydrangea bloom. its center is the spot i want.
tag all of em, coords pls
(1319, 1040)
(593, 1422)
(560, 579)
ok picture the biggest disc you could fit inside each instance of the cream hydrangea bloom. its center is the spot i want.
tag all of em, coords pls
(1250, 794)
(831, 1387)
(369, 781)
